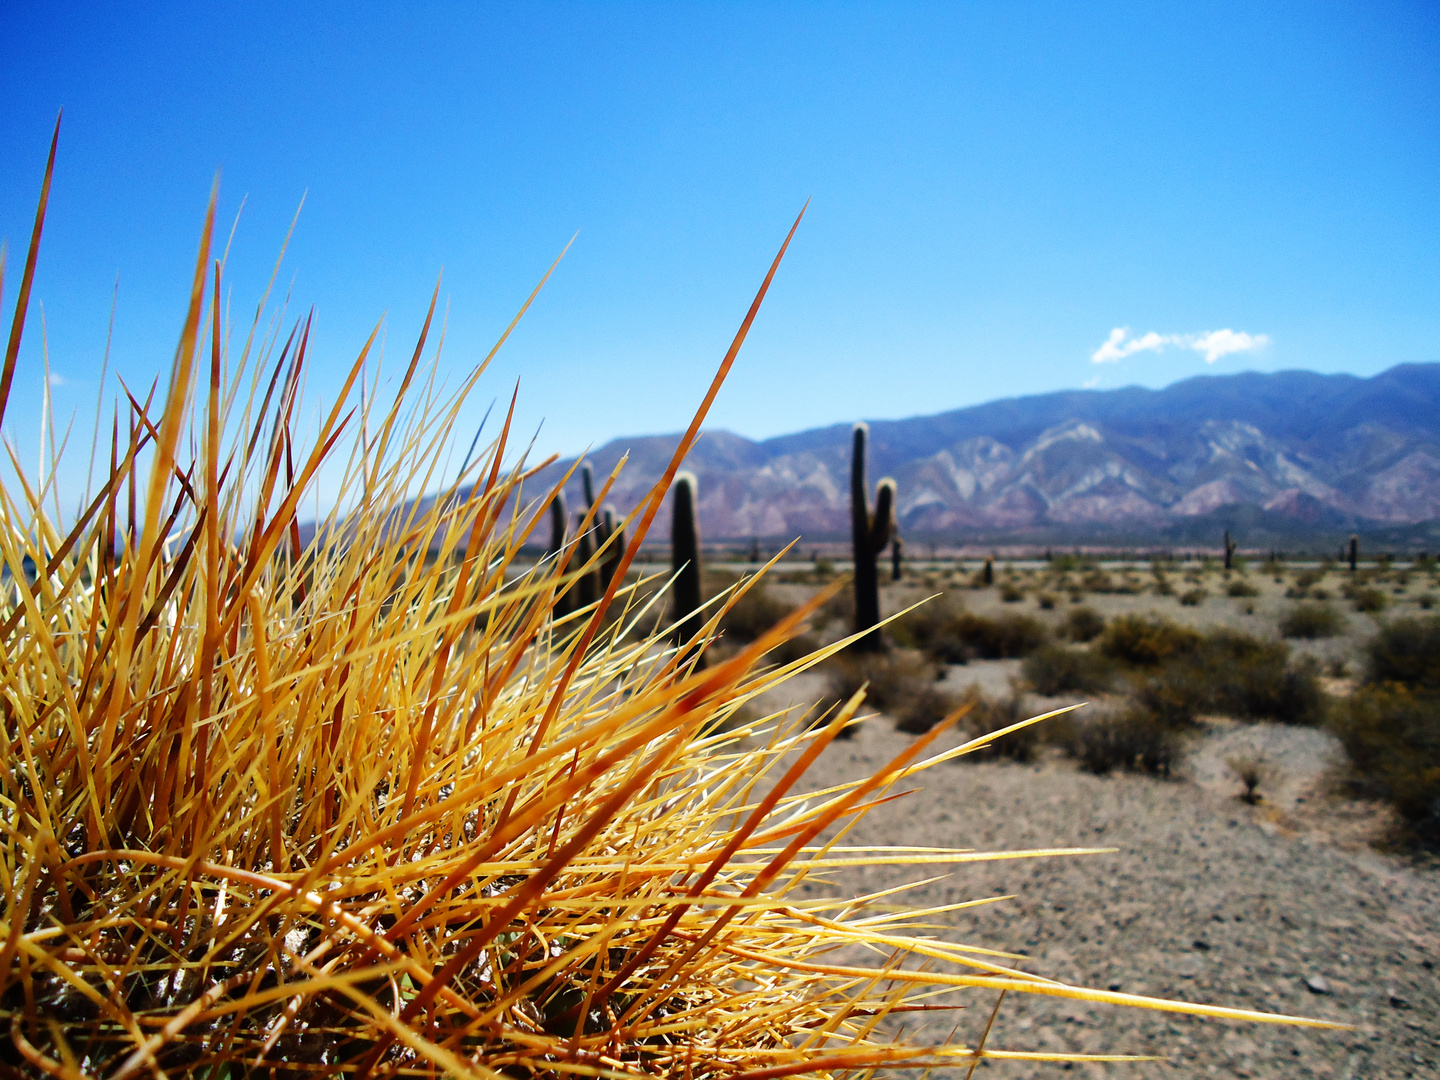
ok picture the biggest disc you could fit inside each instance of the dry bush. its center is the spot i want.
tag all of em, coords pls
(1311, 620)
(1055, 669)
(1391, 735)
(1193, 597)
(1369, 599)
(949, 634)
(1133, 740)
(326, 807)
(1252, 772)
(989, 715)
(1406, 651)
(1240, 587)
(1083, 624)
(1146, 641)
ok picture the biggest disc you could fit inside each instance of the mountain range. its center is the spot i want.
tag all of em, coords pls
(1288, 453)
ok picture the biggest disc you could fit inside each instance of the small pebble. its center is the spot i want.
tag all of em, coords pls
(1317, 984)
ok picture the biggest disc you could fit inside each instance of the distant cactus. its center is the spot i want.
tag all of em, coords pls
(584, 552)
(685, 562)
(563, 601)
(869, 533)
(1229, 550)
(987, 575)
(617, 547)
(897, 554)
(754, 549)
(1354, 551)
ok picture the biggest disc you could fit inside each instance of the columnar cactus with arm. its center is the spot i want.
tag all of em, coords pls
(563, 604)
(868, 533)
(1229, 550)
(685, 561)
(1354, 551)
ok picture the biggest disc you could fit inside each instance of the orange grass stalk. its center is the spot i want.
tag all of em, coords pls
(365, 806)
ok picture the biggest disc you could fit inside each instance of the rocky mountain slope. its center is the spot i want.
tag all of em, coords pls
(1315, 451)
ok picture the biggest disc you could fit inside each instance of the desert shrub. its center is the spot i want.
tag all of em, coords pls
(1306, 578)
(951, 635)
(1134, 740)
(1369, 599)
(1252, 772)
(1311, 620)
(1181, 673)
(1011, 593)
(1146, 641)
(1055, 669)
(1083, 624)
(1406, 651)
(1000, 637)
(1426, 600)
(1162, 586)
(924, 707)
(891, 679)
(993, 714)
(1046, 600)
(752, 614)
(1193, 597)
(926, 624)
(1391, 733)
(841, 607)
(1245, 677)
(1241, 587)
(1098, 581)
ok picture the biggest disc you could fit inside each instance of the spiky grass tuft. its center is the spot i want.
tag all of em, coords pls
(366, 801)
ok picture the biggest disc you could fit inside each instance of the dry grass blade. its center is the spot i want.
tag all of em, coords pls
(363, 805)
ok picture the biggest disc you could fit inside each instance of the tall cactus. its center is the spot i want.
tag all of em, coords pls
(617, 548)
(685, 562)
(1229, 550)
(1354, 551)
(563, 604)
(868, 535)
(591, 540)
(897, 555)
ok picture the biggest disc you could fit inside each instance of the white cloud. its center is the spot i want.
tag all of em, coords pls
(1212, 343)
(57, 380)
(1217, 343)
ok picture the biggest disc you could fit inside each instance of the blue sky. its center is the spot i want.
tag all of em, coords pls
(997, 189)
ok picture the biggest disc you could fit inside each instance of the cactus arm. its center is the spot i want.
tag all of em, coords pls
(884, 515)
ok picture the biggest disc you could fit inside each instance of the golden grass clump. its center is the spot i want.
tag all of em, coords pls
(354, 800)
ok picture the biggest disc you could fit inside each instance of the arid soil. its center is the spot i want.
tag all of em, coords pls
(1283, 906)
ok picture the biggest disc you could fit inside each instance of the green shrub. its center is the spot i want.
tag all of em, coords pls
(1391, 733)
(1134, 740)
(1407, 651)
(1011, 593)
(1046, 601)
(923, 708)
(993, 714)
(1054, 669)
(1369, 600)
(1098, 581)
(1311, 620)
(1193, 597)
(752, 614)
(949, 634)
(1241, 587)
(1251, 679)
(1146, 641)
(1083, 624)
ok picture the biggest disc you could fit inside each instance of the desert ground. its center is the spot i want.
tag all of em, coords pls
(1293, 905)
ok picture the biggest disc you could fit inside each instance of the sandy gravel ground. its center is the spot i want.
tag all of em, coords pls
(1278, 907)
